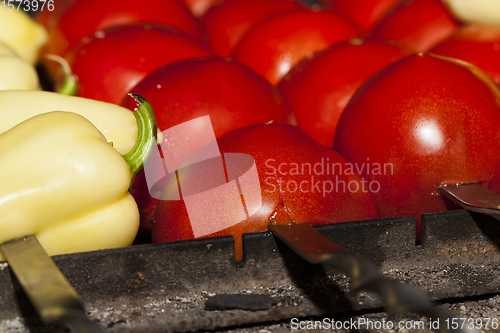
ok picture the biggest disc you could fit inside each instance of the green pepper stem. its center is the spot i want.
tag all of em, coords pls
(70, 83)
(147, 129)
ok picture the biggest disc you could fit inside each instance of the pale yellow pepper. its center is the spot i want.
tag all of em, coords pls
(63, 182)
(485, 12)
(16, 73)
(22, 34)
(116, 123)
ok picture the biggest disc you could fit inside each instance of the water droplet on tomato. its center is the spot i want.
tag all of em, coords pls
(99, 34)
(281, 214)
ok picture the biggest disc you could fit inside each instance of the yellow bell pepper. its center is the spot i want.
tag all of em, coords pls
(477, 11)
(22, 34)
(116, 123)
(16, 73)
(62, 182)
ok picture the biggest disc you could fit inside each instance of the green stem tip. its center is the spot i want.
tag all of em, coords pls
(147, 130)
(70, 83)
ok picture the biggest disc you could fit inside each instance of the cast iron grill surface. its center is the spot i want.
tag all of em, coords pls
(165, 287)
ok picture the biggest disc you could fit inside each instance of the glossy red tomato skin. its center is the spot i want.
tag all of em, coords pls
(49, 18)
(199, 7)
(433, 122)
(273, 145)
(227, 22)
(420, 24)
(476, 44)
(230, 93)
(275, 45)
(320, 88)
(365, 13)
(110, 64)
(83, 18)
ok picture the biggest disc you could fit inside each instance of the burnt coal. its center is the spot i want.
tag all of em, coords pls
(247, 302)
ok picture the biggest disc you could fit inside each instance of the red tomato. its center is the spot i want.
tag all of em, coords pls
(230, 93)
(199, 7)
(48, 18)
(320, 88)
(114, 61)
(227, 22)
(420, 24)
(275, 45)
(477, 44)
(83, 18)
(292, 181)
(365, 13)
(233, 95)
(430, 120)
